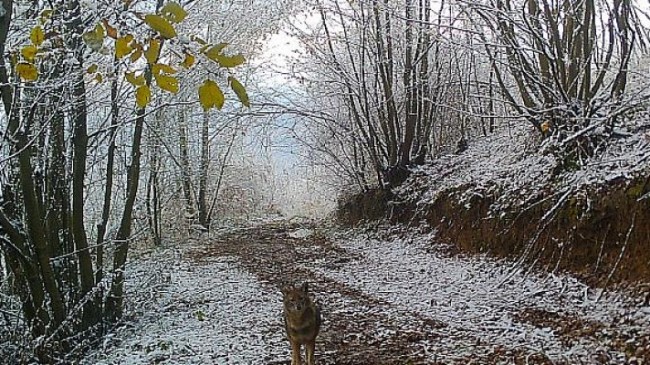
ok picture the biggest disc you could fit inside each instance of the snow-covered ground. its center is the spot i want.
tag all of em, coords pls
(217, 302)
(516, 164)
(481, 299)
(212, 312)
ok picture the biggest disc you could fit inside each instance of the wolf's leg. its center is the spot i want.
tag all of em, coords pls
(295, 353)
(309, 348)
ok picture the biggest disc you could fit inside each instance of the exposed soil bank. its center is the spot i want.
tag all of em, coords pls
(600, 232)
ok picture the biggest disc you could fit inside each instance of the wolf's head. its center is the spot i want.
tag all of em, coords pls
(296, 299)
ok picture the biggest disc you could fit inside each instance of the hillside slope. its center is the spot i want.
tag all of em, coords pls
(510, 195)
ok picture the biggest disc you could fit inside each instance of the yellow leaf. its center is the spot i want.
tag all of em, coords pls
(214, 52)
(173, 12)
(45, 15)
(110, 30)
(210, 95)
(27, 71)
(123, 46)
(166, 82)
(188, 61)
(29, 53)
(240, 90)
(95, 38)
(92, 69)
(100, 31)
(160, 25)
(37, 36)
(133, 79)
(231, 61)
(142, 96)
(99, 78)
(151, 54)
(162, 68)
(137, 53)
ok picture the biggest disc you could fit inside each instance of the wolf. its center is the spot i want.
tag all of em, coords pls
(302, 319)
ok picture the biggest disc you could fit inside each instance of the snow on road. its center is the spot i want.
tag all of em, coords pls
(216, 310)
(208, 313)
(482, 299)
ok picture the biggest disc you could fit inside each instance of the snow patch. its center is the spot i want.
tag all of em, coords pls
(208, 313)
(479, 298)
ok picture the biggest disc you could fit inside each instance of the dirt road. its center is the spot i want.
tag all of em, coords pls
(389, 296)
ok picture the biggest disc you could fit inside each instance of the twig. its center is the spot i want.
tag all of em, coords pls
(279, 362)
(6, 314)
(620, 257)
(602, 246)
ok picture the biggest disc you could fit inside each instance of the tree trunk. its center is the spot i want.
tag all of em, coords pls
(186, 174)
(203, 172)
(5, 86)
(152, 201)
(80, 146)
(115, 300)
(110, 161)
(409, 87)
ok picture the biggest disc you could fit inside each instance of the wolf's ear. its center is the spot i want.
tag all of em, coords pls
(304, 287)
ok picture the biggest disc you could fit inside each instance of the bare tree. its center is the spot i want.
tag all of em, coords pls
(390, 68)
(48, 135)
(569, 63)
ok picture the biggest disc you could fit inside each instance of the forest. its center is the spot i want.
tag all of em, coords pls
(459, 181)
